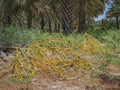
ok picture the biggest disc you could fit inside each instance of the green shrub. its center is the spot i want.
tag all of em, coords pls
(110, 38)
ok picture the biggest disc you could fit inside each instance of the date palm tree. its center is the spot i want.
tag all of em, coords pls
(89, 9)
(30, 8)
(114, 12)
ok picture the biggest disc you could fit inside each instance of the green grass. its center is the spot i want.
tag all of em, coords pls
(11, 35)
(111, 38)
(112, 59)
(18, 35)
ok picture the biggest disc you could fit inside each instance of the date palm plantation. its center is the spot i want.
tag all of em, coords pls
(59, 45)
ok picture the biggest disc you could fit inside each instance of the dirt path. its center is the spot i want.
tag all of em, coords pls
(104, 81)
(79, 83)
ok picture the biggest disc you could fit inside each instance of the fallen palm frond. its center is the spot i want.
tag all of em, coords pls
(94, 46)
(55, 57)
(52, 61)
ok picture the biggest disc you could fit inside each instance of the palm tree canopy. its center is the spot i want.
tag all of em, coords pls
(114, 10)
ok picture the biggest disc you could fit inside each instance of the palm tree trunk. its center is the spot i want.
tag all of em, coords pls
(8, 21)
(42, 22)
(29, 19)
(58, 27)
(117, 22)
(50, 25)
(55, 26)
(67, 16)
(82, 20)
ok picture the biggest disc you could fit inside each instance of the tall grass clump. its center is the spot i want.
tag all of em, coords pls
(111, 38)
(14, 35)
